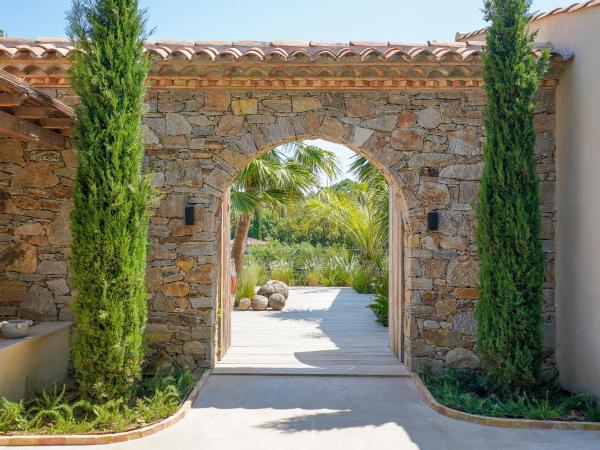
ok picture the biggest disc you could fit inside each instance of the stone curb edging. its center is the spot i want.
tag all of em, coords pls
(109, 438)
(428, 398)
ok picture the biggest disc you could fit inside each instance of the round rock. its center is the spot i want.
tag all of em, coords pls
(274, 287)
(462, 358)
(260, 302)
(277, 301)
(244, 304)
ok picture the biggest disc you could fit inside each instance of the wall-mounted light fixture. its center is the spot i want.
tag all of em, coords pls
(190, 213)
(433, 219)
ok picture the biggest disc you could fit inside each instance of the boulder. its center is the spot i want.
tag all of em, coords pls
(245, 304)
(277, 301)
(273, 286)
(38, 304)
(259, 302)
(462, 358)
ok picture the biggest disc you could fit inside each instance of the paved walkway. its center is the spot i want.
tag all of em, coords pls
(264, 412)
(249, 412)
(321, 331)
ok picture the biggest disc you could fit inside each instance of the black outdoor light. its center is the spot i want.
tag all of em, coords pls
(433, 219)
(190, 216)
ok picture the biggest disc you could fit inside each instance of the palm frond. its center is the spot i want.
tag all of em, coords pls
(243, 202)
(318, 161)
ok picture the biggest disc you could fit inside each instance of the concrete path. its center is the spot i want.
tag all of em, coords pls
(321, 331)
(309, 412)
(249, 412)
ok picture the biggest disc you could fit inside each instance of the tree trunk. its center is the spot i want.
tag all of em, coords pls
(239, 242)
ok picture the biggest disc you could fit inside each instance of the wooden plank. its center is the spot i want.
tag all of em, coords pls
(26, 131)
(56, 123)
(32, 112)
(394, 261)
(225, 302)
(9, 99)
(320, 331)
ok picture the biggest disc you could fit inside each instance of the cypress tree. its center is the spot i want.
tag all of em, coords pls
(110, 217)
(509, 336)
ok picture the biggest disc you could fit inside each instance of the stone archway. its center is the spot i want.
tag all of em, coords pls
(317, 125)
(427, 143)
(414, 110)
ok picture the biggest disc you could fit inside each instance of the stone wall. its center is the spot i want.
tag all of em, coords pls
(35, 190)
(427, 143)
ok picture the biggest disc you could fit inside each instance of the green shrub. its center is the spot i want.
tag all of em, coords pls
(53, 411)
(247, 282)
(312, 278)
(362, 281)
(476, 393)
(304, 263)
(109, 222)
(282, 271)
(380, 305)
(338, 270)
(511, 272)
(12, 416)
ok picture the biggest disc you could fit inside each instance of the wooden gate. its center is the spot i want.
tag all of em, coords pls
(396, 273)
(225, 294)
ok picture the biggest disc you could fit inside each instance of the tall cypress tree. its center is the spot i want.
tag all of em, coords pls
(509, 335)
(110, 216)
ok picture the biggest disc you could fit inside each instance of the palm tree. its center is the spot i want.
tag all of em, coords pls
(274, 180)
(355, 213)
(365, 172)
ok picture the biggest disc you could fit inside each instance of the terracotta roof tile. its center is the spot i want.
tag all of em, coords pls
(12, 48)
(565, 10)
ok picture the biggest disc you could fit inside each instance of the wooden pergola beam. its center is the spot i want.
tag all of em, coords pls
(21, 129)
(56, 123)
(32, 112)
(9, 99)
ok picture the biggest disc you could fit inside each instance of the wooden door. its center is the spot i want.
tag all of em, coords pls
(225, 294)
(396, 273)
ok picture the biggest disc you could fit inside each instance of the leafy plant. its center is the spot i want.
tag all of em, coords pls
(50, 406)
(367, 173)
(511, 273)
(380, 305)
(109, 222)
(282, 271)
(475, 393)
(362, 281)
(356, 217)
(13, 416)
(247, 282)
(274, 180)
(52, 411)
(338, 270)
(312, 278)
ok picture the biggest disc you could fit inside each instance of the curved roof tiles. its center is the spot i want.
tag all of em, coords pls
(565, 10)
(210, 51)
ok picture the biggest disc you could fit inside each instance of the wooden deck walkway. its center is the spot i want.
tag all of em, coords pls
(321, 331)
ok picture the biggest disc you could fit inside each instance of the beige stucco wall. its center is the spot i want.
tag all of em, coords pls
(578, 197)
(31, 364)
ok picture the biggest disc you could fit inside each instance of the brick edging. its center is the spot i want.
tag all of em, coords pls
(428, 398)
(109, 438)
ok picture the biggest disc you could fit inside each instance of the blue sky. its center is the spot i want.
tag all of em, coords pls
(305, 20)
(412, 20)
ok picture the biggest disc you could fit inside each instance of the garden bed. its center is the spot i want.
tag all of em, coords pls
(77, 435)
(465, 395)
